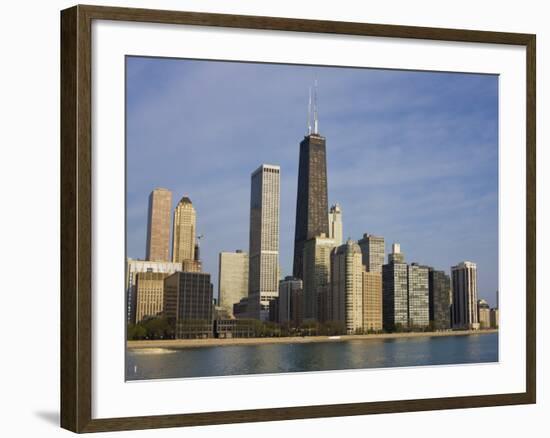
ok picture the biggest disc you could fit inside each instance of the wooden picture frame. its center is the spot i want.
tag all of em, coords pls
(76, 218)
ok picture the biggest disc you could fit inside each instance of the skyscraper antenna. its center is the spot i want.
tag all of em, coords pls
(309, 114)
(315, 114)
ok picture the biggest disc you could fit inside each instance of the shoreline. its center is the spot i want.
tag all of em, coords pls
(216, 342)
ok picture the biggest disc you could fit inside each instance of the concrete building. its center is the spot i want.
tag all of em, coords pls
(234, 328)
(316, 272)
(185, 223)
(347, 286)
(373, 250)
(440, 299)
(290, 301)
(493, 318)
(395, 296)
(464, 287)
(335, 227)
(263, 271)
(232, 278)
(483, 314)
(149, 294)
(188, 302)
(312, 199)
(372, 301)
(418, 290)
(133, 267)
(158, 225)
(396, 255)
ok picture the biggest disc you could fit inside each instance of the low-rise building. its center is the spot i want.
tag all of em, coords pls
(234, 328)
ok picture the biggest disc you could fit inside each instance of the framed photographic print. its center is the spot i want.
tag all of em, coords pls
(270, 218)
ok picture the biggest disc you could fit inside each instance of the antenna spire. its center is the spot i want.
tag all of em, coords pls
(315, 114)
(309, 114)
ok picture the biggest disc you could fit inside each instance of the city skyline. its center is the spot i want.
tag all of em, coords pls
(344, 175)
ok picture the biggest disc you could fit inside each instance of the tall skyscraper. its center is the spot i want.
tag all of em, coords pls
(188, 302)
(149, 294)
(395, 296)
(316, 273)
(185, 223)
(133, 267)
(232, 278)
(440, 303)
(372, 301)
(347, 286)
(373, 250)
(419, 307)
(312, 200)
(335, 230)
(290, 301)
(158, 225)
(464, 287)
(263, 271)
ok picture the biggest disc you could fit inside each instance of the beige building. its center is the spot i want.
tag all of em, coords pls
(347, 286)
(483, 314)
(185, 223)
(133, 267)
(372, 301)
(232, 278)
(191, 266)
(373, 250)
(263, 270)
(158, 225)
(494, 315)
(335, 229)
(149, 294)
(316, 271)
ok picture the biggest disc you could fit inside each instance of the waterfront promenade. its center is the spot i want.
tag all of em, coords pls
(215, 342)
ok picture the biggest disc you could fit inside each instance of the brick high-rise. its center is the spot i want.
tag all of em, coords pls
(158, 226)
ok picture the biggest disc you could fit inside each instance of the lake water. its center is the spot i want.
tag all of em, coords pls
(162, 363)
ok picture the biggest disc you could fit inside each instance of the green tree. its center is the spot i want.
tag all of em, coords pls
(136, 331)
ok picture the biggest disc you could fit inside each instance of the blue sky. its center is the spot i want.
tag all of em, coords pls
(411, 156)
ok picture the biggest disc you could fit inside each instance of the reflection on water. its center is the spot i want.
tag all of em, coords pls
(162, 363)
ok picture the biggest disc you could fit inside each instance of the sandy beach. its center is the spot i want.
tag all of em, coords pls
(214, 342)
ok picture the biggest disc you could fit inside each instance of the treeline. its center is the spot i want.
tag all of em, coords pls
(151, 328)
(162, 328)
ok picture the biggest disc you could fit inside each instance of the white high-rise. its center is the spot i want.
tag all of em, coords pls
(263, 272)
(335, 231)
(464, 287)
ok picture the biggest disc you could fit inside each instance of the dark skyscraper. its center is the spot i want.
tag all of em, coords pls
(440, 300)
(311, 202)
